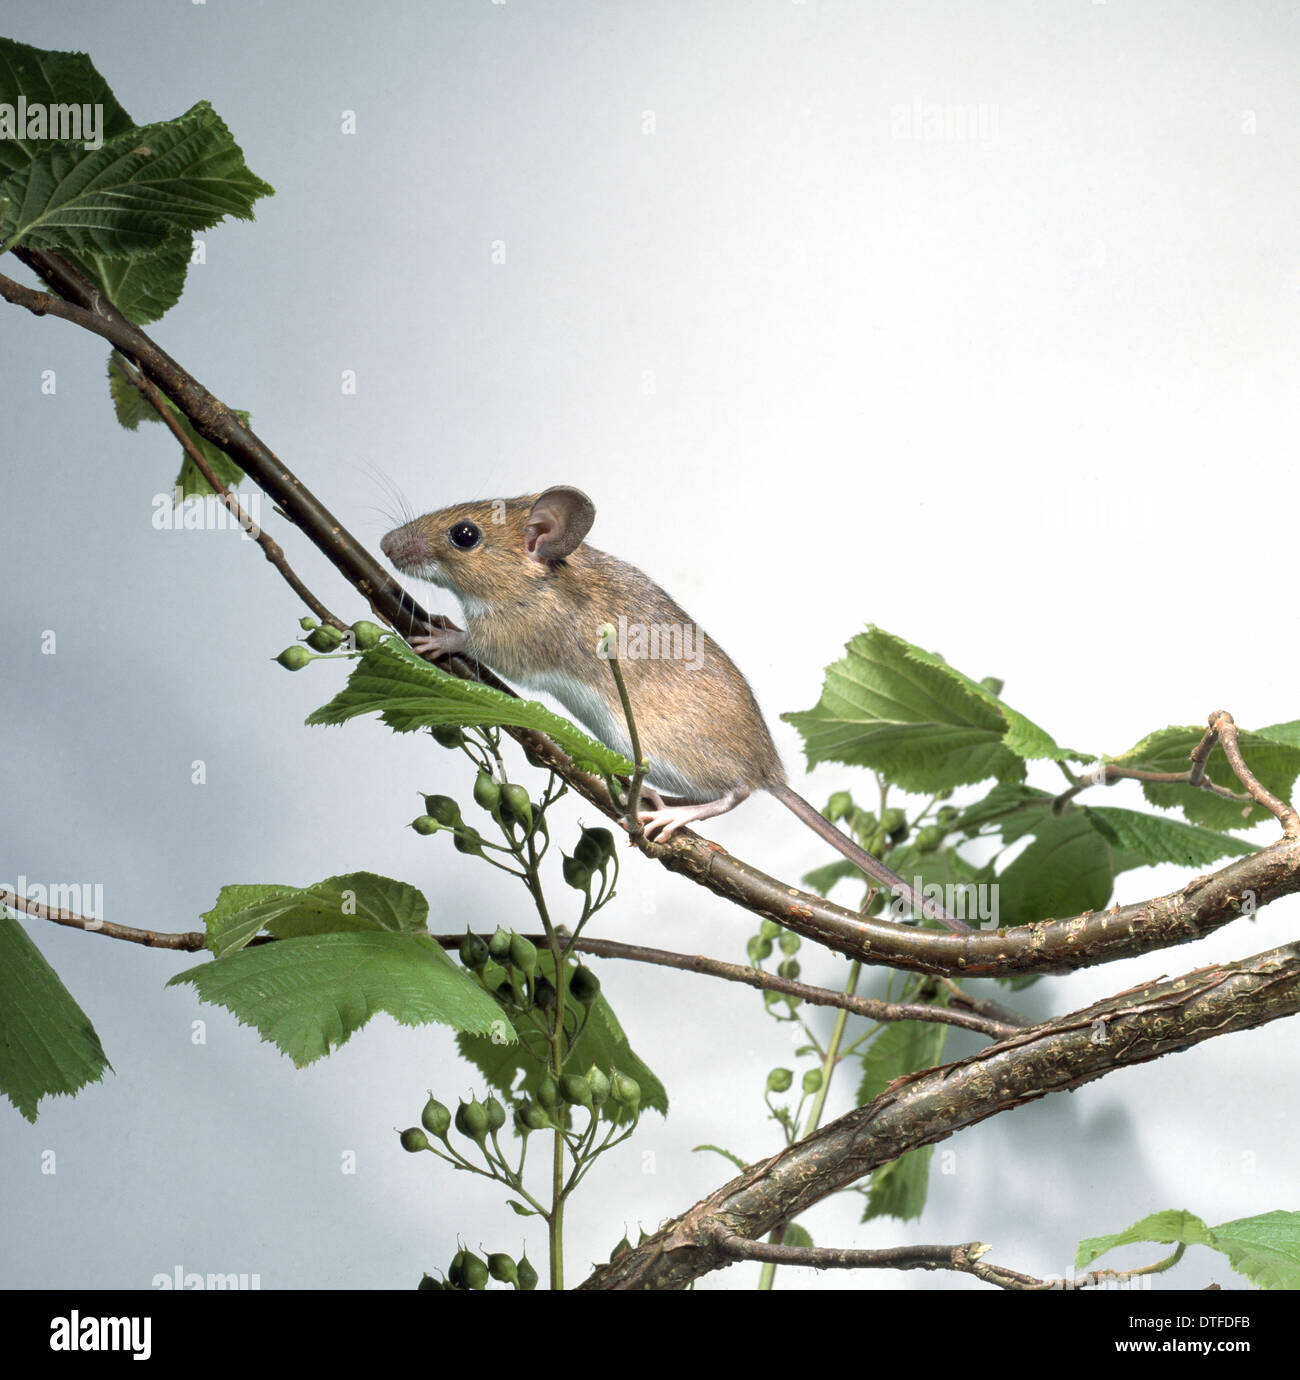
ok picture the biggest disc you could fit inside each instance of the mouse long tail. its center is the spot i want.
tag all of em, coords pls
(859, 857)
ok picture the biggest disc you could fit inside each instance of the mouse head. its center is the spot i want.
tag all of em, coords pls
(489, 550)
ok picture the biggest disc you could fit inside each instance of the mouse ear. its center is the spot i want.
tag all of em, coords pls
(557, 523)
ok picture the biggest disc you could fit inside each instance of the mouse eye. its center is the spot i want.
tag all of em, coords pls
(465, 536)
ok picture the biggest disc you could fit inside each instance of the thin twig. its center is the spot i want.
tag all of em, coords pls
(192, 940)
(1222, 723)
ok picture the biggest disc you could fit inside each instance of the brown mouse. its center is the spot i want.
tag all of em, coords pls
(534, 596)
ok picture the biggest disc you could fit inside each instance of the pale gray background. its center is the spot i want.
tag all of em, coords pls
(1028, 401)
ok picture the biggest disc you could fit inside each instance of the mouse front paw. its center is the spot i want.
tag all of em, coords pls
(435, 642)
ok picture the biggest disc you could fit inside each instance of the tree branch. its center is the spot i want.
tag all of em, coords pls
(927, 1107)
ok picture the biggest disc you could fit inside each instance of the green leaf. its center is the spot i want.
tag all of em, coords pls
(132, 408)
(904, 712)
(520, 1210)
(409, 693)
(146, 286)
(898, 1189)
(310, 995)
(355, 902)
(46, 78)
(1272, 756)
(48, 1046)
(1266, 1249)
(823, 879)
(1157, 839)
(1068, 869)
(134, 193)
(517, 1070)
(796, 1235)
(726, 1155)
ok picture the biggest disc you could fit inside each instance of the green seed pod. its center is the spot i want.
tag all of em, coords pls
(499, 945)
(790, 942)
(544, 993)
(469, 841)
(472, 1120)
(758, 949)
(621, 1249)
(456, 1270)
(624, 1090)
(516, 805)
(443, 808)
(892, 820)
(307, 623)
(448, 735)
(428, 1282)
(779, 1080)
(473, 952)
(324, 638)
(594, 848)
(487, 792)
(584, 985)
(576, 874)
(992, 684)
(790, 969)
(366, 635)
(598, 1081)
(523, 954)
(414, 1139)
(294, 658)
(436, 1118)
(930, 838)
(812, 1081)
(474, 1271)
(575, 1090)
(838, 807)
(502, 1267)
(531, 1117)
(769, 929)
(496, 1114)
(425, 824)
(527, 1274)
(948, 815)
(548, 1093)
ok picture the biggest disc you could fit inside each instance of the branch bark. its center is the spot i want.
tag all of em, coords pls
(924, 1108)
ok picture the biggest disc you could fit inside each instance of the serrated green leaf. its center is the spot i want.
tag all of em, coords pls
(906, 713)
(1273, 759)
(310, 995)
(46, 78)
(132, 194)
(354, 902)
(146, 286)
(517, 1070)
(1166, 1228)
(726, 1154)
(1266, 1249)
(1068, 869)
(48, 1046)
(1157, 839)
(410, 693)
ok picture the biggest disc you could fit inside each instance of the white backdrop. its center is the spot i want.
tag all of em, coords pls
(1021, 393)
